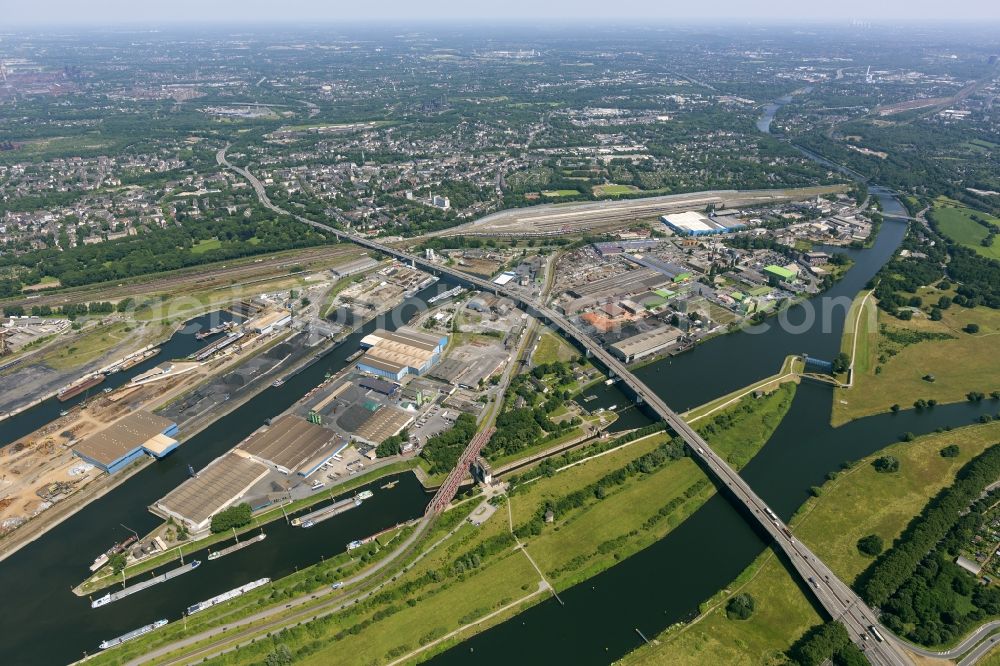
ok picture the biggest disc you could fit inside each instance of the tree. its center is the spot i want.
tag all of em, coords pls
(391, 446)
(841, 363)
(950, 451)
(740, 607)
(118, 561)
(280, 656)
(972, 328)
(886, 464)
(233, 517)
(870, 545)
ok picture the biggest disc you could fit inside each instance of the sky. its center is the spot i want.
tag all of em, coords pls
(112, 12)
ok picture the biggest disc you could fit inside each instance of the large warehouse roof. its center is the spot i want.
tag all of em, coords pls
(384, 423)
(122, 437)
(646, 343)
(220, 484)
(288, 443)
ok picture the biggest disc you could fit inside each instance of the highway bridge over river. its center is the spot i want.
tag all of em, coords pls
(840, 602)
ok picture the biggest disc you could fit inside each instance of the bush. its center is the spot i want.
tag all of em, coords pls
(233, 517)
(949, 451)
(971, 328)
(740, 607)
(886, 464)
(870, 545)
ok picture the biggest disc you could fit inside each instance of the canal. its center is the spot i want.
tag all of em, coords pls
(649, 591)
(181, 344)
(43, 622)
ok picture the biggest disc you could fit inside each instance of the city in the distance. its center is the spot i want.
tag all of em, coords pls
(399, 339)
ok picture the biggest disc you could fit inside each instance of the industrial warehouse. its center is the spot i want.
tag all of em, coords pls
(646, 344)
(405, 351)
(127, 440)
(220, 485)
(292, 445)
(691, 223)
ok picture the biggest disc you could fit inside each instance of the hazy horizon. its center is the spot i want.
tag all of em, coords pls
(61, 13)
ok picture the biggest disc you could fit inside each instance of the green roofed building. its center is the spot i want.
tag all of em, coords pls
(778, 274)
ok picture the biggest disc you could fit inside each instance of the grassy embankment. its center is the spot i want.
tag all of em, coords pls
(476, 571)
(894, 356)
(856, 503)
(104, 577)
(97, 341)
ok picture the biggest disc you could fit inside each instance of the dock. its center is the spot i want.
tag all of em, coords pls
(138, 587)
(239, 545)
(326, 512)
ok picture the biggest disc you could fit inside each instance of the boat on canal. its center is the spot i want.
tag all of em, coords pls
(135, 633)
(226, 596)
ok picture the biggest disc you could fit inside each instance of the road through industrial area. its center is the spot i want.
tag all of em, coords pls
(839, 601)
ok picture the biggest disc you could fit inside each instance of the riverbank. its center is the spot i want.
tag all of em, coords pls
(106, 578)
(477, 574)
(854, 503)
(498, 577)
(162, 395)
(898, 362)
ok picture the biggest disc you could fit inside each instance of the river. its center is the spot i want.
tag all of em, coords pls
(44, 623)
(181, 344)
(666, 582)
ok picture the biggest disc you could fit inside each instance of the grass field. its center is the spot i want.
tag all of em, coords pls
(858, 502)
(955, 221)
(612, 190)
(864, 307)
(435, 615)
(203, 246)
(552, 347)
(966, 362)
(604, 532)
(861, 501)
(560, 193)
(93, 344)
(783, 613)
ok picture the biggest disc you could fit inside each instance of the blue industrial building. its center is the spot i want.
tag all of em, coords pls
(127, 440)
(405, 351)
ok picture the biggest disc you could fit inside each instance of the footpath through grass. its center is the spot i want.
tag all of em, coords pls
(923, 359)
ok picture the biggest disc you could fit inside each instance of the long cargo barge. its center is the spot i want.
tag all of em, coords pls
(332, 510)
(138, 358)
(239, 545)
(135, 633)
(226, 596)
(138, 587)
(76, 389)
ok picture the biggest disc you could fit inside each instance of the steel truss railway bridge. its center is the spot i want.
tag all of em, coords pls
(839, 601)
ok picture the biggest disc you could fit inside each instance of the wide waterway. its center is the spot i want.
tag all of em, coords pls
(649, 591)
(43, 622)
(666, 582)
(181, 344)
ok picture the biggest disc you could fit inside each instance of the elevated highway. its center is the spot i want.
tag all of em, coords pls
(839, 601)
